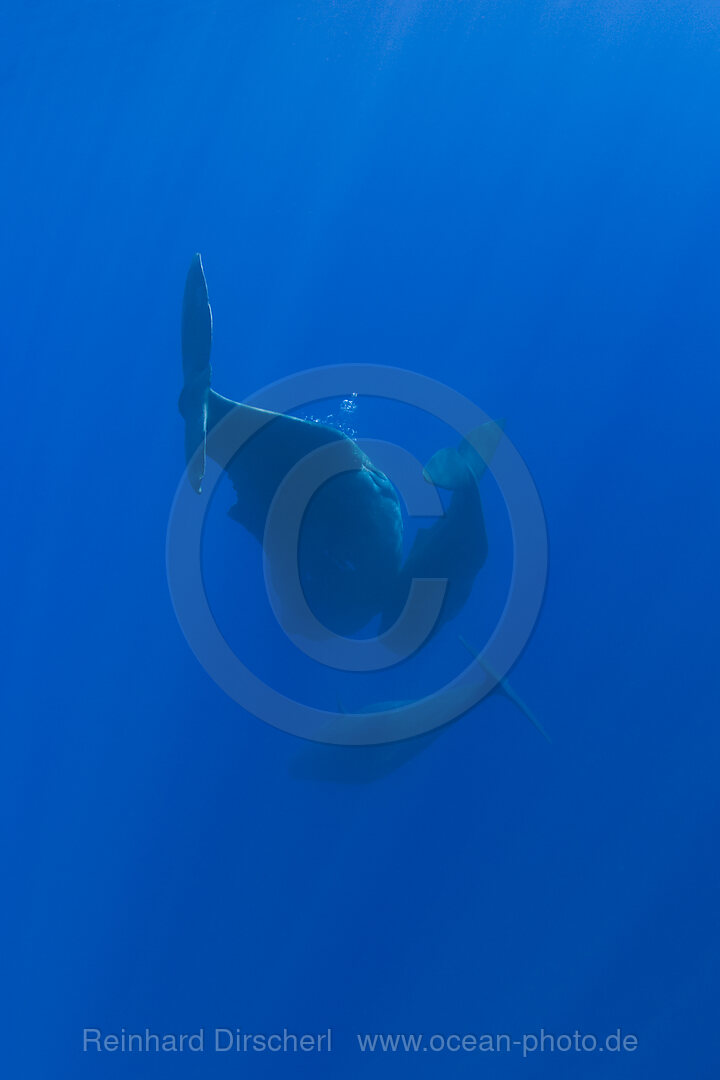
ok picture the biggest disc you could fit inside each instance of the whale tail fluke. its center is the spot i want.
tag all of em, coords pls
(453, 468)
(479, 446)
(196, 343)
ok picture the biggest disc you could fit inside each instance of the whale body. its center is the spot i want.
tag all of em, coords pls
(351, 538)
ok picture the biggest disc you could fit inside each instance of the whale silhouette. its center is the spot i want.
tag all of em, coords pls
(350, 544)
(365, 763)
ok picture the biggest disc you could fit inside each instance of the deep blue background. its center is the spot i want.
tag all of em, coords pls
(520, 198)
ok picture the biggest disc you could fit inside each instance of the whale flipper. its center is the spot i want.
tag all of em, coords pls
(196, 343)
(502, 686)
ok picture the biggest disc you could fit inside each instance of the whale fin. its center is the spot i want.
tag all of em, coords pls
(196, 342)
(503, 687)
(478, 447)
(447, 469)
(453, 468)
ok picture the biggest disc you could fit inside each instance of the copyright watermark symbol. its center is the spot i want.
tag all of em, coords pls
(416, 621)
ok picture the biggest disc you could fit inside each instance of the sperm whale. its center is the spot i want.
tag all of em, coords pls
(350, 548)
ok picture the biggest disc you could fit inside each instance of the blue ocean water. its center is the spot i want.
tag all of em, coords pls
(520, 199)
